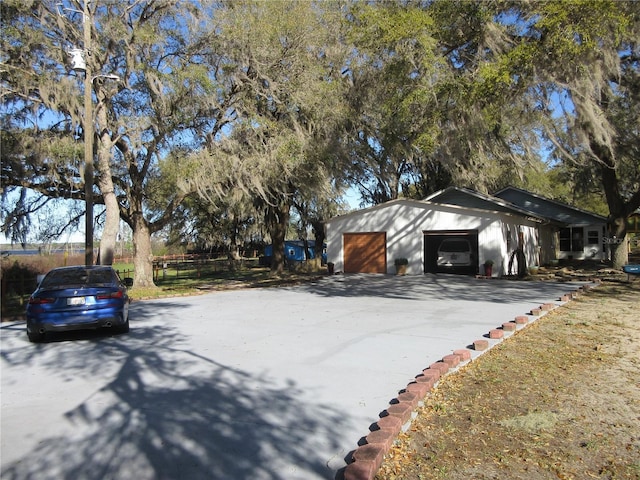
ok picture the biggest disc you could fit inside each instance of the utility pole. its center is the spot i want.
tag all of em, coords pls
(88, 138)
(81, 61)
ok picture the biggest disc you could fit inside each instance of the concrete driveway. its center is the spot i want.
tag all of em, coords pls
(248, 384)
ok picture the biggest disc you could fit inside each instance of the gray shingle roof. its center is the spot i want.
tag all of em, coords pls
(550, 209)
(464, 197)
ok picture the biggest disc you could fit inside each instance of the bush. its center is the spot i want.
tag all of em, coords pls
(19, 275)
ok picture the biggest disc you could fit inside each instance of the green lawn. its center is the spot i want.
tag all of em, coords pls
(186, 278)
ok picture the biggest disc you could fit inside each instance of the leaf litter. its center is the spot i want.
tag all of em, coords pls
(558, 399)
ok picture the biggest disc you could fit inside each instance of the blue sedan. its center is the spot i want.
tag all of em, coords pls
(78, 298)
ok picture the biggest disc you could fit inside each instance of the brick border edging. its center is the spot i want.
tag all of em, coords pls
(367, 459)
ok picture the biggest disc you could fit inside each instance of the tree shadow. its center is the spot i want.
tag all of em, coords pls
(436, 287)
(168, 413)
(164, 412)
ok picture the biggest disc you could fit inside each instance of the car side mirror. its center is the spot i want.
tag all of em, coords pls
(128, 282)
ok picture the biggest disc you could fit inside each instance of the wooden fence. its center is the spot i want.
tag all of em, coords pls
(194, 265)
(17, 284)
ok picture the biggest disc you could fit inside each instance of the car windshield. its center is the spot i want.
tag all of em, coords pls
(76, 276)
(454, 246)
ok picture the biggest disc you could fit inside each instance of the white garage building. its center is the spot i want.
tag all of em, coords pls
(370, 240)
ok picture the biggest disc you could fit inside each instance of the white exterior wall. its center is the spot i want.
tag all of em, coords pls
(499, 240)
(405, 221)
(513, 228)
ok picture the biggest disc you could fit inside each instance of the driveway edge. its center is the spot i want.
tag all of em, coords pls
(366, 460)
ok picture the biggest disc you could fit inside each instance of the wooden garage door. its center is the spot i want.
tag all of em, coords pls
(365, 252)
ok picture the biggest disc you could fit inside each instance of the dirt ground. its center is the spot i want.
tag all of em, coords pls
(559, 399)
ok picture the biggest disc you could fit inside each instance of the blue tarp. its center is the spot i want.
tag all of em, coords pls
(294, 250)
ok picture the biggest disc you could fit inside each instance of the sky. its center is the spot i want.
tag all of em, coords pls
(351, 197)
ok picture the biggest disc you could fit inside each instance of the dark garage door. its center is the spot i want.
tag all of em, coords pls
(365, 252)
(432, 241)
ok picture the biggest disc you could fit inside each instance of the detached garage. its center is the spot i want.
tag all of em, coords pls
(369, 240)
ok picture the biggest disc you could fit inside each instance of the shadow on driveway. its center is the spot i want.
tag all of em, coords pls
(165, 413)
(432, 287)
(150, 407)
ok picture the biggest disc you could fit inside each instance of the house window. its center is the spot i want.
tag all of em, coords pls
(592, 237)
(572, 239)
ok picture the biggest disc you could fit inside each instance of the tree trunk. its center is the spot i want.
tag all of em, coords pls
(111, 225)
(234, 247)
(143, 256)
(105, 183)
(618, 210)
(305, 246)
(619, 254)
(618, 245)
(278, 220)
(319, 234)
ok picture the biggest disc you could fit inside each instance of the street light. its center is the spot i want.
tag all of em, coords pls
(88, 143)
(79, 63)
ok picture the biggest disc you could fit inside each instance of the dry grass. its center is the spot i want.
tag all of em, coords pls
(558, 400)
